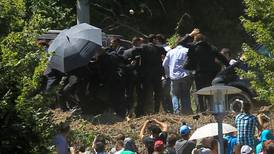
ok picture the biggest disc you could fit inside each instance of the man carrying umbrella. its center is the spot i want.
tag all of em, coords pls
(73, 49)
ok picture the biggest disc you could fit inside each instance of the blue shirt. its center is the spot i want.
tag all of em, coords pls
(61, 144)
(246, 124)
(231, 142)
(173, 63)
(265, 135)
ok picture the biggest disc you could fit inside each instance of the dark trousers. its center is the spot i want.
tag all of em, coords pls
(116, 95)
(167, 102)
(130, 87)
(203, 79)
(151, 92)
(69, 93)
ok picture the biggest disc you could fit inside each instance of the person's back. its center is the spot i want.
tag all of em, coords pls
(246, 124)
(231, 142)
(173, 62)
(151, 62)
(205, 57)
(184, 146)
(60, 140)
(171, 140)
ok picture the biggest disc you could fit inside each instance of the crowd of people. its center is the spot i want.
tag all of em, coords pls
(157, 139)
(137, 80)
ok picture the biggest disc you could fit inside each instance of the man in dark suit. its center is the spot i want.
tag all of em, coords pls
(202, 58)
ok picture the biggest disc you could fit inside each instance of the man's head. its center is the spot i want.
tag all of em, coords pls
(246, 107)
(144, 40)
(100, 138)
(129, 144)
(115, 42)
(226, 52)
(64, 128)
(268, 147)
(151, 38)
(199, 37)
(159, 146)
(160, 39)
(171, 140)
(119, 145)
(185, 131)
(136, 41)
(99, 147)
(154, 130)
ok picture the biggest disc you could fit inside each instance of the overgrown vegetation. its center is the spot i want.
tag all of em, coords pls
(259, 22)
(24, 118)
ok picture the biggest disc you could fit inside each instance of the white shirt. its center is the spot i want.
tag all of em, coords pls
(173, 63)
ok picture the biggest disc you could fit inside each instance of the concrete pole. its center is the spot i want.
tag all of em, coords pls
(83, 11)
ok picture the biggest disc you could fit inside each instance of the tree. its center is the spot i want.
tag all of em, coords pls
(24, 118)
(11, 16)
(259, 23)
(218, 19)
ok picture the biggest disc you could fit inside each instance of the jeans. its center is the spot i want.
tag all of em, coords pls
(180, 93)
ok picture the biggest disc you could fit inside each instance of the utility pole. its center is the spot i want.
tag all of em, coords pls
(83, 11)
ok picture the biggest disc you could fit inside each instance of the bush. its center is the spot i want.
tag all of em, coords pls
(259, 23)
(25, 122)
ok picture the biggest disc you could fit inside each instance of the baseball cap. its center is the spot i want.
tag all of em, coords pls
(184, 129)
(159, 145)
(246, 149)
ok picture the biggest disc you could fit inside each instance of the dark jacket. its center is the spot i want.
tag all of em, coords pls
(202, 55)
(151, 60)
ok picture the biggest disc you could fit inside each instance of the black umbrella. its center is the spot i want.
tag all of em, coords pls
(74, 47)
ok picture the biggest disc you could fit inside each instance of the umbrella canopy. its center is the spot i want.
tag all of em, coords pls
(74, 47)
(210, 130)
(213, 89)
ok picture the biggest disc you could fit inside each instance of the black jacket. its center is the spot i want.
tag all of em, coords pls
(203, 57)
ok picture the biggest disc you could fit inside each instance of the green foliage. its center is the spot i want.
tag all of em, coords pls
(173, 40)
(81, 138)
(259, 22)
(55, 15)
(11, 15)
(25, 122)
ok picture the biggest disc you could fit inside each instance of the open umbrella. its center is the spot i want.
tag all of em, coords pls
(74, 47)
(210, 130)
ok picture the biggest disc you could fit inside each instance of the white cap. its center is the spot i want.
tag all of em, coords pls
(246, 149)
